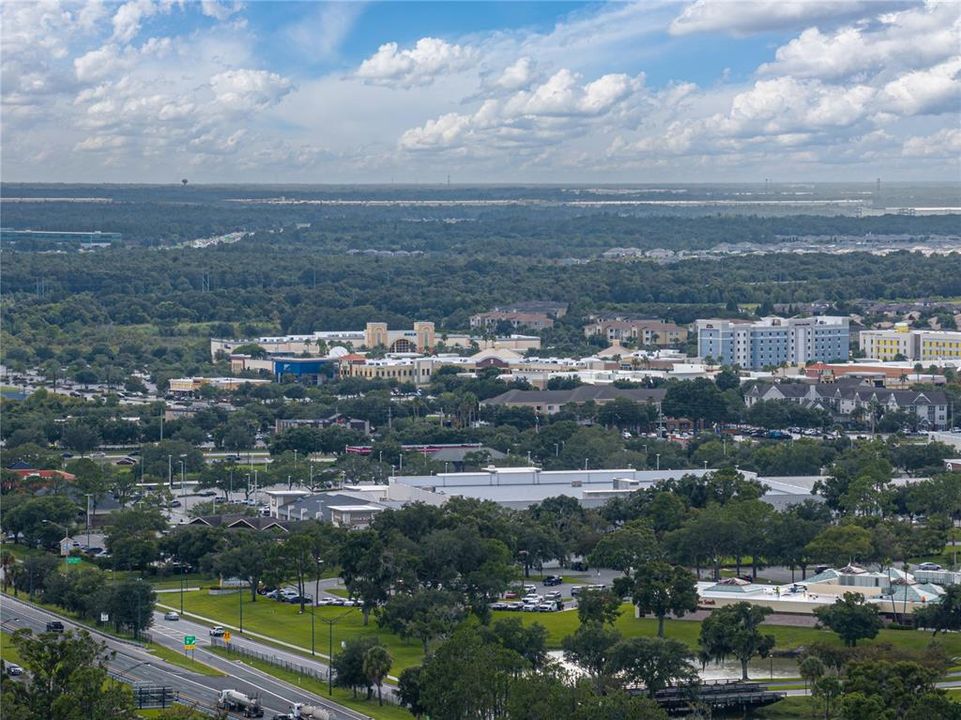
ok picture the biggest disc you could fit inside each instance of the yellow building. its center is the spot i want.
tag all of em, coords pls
(924, 346)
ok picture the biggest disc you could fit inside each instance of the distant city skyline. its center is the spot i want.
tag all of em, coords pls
(310, 92)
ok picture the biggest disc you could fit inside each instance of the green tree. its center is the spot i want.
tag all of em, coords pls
(80, 436)
(590, 648)
(851, 618)
(944, 615)
(377, 662)
(840, 544)
(425, 615)
(654, 662)
(248, 555)
(348, 665)
(735, 630)
(598, 606)
(410, 688)
(66, 679)
(660, 588)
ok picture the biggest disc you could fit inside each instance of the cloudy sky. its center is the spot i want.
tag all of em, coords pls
(657, 91)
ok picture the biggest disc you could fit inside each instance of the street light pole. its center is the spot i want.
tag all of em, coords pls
(241, 609)
(330, 648)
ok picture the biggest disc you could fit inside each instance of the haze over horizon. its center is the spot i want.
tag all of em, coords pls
(486, 93)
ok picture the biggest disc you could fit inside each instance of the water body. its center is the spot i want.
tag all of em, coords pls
(758, 669)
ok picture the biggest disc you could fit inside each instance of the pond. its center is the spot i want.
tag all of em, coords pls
(730, 669)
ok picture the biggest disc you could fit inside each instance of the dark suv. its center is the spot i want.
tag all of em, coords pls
(552, 580)
(55, 626)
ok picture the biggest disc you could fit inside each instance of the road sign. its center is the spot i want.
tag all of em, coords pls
(190, 639)
(189, 648)
(226, 637)
(104, 617)
(73, 560)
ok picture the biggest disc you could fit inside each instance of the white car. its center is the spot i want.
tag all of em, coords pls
(217, 631)
(171, 615)
(13, 670)
(929, 566)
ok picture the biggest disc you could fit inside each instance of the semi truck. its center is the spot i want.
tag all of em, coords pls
(300, 711)
(236, 701)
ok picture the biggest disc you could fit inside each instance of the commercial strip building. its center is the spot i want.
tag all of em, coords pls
(190, 385)
(894, 591)
(774, 341)
(903, 343)
(549, 402)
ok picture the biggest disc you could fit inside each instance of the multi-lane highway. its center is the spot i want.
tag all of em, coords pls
(134, 664)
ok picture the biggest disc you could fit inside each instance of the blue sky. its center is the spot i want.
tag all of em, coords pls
(670, 90)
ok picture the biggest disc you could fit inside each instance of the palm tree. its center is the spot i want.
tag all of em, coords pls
(377, 662)
(7, 562)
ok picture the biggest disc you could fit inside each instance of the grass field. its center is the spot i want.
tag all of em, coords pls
(181, 660)
(790, 708)
(340, 695)
(7, 651)
(283, 622)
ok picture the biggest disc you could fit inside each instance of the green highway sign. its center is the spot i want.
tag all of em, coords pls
(190, 639)
(73, 560)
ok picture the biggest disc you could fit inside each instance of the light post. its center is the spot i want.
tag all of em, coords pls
(170, 471)
(89, 495)
(183, 472)
(132, 668)
(241, 608)
(658, 460)
(330, 647)
(183, 586)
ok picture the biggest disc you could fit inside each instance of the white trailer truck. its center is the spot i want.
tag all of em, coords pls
(236, 701)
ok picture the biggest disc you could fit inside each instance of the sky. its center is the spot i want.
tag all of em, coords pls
(481, 92)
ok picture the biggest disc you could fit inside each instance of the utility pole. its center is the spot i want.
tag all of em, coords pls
(88, 518)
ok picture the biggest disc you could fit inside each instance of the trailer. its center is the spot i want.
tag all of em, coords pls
(236, 701)
(309, 712)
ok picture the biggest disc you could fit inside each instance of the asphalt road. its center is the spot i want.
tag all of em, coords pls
(136, 665)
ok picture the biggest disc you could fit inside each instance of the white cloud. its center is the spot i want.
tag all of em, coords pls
(220, 11)
(744, 18)
(945, 143)
(916, 37)
(517, 75)
(548, 113)
(129, 16)
(319, 36)
(246, 90)
(934, 90)
(420, 65)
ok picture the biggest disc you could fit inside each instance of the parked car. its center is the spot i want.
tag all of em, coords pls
(579, 566)
(217, 631)
(499, 606)
(553, 596)
(13, 670)
(552, 580)
(55, 626)
(929, 566)
(295, 599)
(325, 601)
(546, 607)
(577, 590)
(510, 595)
(529, 607)
(171, 615)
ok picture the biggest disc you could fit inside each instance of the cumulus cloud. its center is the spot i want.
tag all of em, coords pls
(517, 75)
(931, 91)
(543, 114)
(129, 17)
(919, 36)
(419, 65)
(744, 18)
(245, 90)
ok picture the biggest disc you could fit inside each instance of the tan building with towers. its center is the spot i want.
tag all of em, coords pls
(421, 339)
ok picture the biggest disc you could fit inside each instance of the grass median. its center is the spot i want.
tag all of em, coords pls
(8, 653)
(181, 660)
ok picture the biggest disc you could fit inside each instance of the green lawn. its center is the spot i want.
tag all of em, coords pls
(340, 695)
(180, 659)
(790, 708)
(7, 651)
(282, 621)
